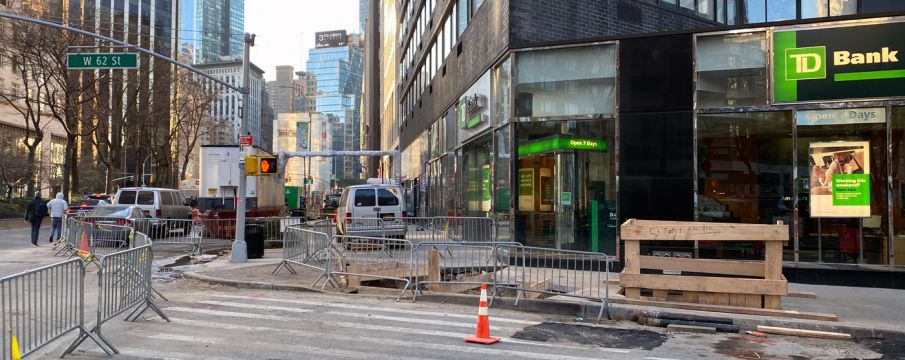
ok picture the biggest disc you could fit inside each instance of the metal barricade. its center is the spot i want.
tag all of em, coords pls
(124, 284)
(371, 257)
(307, 248)
(172, 232)
(76, 229)
(372, 227)
(464, 229)
(419, 229)
(466, 265)
(555, 272)
(275, 227)
(108, 238)
(41, 305)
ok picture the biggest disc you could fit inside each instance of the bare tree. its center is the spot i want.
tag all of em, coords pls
(15, 169)
(191, 114)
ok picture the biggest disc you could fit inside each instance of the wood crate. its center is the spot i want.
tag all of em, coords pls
(755, 284)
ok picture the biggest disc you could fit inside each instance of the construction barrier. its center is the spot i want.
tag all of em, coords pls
(370, 227)
(465, 229)
(456, 267)
(124, 284)
(308, 248)
(39, 306)
(533, 271)
(360, 257)
(419, 229)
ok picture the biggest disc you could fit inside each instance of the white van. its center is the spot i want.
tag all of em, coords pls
(158, 203)
(361, 205)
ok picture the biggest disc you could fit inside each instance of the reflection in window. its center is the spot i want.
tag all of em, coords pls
(746, 11)
(567, 81)
(843, 7)
(814, 8)
(687, 4)
(731, 70)
(779, 10)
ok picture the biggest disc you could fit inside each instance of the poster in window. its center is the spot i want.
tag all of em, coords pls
(546, 185)
(526, 189)
(840, 179)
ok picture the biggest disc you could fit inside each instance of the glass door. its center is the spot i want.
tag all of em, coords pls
(842, 165)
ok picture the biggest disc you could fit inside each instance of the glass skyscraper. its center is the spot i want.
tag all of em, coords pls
(211, 29)
(338, 72)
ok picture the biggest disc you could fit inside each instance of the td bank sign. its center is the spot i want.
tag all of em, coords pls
(857, 62)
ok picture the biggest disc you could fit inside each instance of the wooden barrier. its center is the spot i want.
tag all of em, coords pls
(755, 284)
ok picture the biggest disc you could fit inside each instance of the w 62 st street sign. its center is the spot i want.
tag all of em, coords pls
(102, 61)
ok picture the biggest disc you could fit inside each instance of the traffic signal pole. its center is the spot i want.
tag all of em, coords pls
(239, 253)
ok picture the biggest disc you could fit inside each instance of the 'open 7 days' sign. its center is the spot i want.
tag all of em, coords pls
(854, 62)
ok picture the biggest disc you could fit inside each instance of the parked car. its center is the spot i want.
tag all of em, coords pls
(159, 203)
(83, 207)
(359, 204)
(331, 203)
(113, 224)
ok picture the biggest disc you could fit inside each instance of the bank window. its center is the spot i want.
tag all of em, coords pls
(731, 70)
(566, 81)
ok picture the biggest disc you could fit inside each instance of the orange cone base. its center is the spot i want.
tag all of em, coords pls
(485, 341)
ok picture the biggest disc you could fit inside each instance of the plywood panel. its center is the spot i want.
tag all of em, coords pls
(684, 231)
(705, 284)
(729, 267)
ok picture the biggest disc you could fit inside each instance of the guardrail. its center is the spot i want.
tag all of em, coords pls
(465, 229)
(124, 284)
(41, 305)
(535, 270)
(466, 266)
(370, 257)
(308, 248)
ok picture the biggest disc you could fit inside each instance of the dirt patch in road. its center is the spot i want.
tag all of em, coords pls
(891, 349)
(592, 335)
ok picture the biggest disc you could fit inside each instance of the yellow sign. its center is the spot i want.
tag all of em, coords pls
(251, 166)
(212, 191)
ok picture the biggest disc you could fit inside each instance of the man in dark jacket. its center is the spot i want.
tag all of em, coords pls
(35, 213)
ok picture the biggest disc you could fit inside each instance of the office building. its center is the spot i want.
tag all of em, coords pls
(211, 30)
(563, 124)
(336, 64)
(227, 108)
(285, 90)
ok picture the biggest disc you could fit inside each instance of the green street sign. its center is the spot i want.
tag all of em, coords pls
(853, 62)
(102, 61)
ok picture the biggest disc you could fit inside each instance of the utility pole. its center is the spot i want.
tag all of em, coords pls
(239, 247)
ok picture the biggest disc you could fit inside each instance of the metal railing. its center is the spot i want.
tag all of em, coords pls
(554, 272)
(41, 305)
(420, 229)
(308, 248)
(465, 229)
(124, 284)
(371, 257)
(371, 227)
(465, 266)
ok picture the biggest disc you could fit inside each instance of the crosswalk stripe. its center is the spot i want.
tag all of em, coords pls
(473, 349)
(223, 313)
(371, 308)
(158, 355)
(255, 306)
(416, 321)
(193, 339)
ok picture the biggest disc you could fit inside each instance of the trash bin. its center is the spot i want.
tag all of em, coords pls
(254, 239)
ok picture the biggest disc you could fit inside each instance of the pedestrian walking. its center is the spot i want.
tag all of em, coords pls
(57, 207)
(34, 214)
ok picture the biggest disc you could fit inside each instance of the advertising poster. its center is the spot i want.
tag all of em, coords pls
(526, 189)
(840, 179)
(301, 136)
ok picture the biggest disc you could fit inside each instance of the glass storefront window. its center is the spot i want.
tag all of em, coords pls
(835, 226)
(566, 81)
(502, 79)
(898, 182)
(731, 70)
(744, 176)
(502, 196)
(746, 11)
(478, 176)
(566, 192)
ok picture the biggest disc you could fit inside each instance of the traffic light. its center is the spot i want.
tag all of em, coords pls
(267, 165)
(251, 166)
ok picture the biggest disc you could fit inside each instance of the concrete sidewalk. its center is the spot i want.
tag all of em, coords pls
(863, 312)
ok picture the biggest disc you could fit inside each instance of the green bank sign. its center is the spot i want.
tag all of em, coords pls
(561, 143)
(856, 62)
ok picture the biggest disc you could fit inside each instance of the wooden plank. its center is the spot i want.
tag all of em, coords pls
(802, 294)
(660, 294)
(738, 299)
(729, 267)
(772, 302)
(690, 296)
(728, 309)
(804, 333)
(633, 293)
(433, 268)
(705, 284)
(632, 254)
(684, 231)
(539, 286)
(475, 283)
(754, 301)
(773, 259)
(713, 298)
(353, 280)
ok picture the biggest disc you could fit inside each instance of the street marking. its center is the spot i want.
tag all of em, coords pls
(254, 306)
(369, 308)
(224, 313)
(193, 339)
(474, 349)
(417, 321)
(151, 354)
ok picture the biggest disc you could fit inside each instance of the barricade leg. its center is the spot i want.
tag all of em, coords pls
(85, 334)
(284, 265)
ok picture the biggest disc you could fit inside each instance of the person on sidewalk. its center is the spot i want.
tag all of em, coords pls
(35, 213)
(57, 207)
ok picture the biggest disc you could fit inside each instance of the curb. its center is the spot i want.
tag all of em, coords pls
(617, 312)
(248, 284)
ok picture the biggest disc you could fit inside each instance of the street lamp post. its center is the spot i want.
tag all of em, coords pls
(144, 171)
(239, 247)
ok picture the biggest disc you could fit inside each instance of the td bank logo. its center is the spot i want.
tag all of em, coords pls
(806, 63)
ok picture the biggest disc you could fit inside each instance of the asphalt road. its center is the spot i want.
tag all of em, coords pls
(211, 322)
(17, 254)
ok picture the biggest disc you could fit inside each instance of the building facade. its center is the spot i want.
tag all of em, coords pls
(227, 108)
(285, 90)
(211, 30)
(306, 132)
(563, 124)
(336, 64)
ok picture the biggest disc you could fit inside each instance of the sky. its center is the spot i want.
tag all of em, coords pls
(285, 28)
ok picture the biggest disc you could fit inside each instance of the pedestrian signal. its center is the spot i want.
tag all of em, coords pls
(267, 165)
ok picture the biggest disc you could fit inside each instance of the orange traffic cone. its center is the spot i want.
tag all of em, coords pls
(83, 245)
(482, 333)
